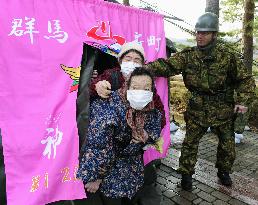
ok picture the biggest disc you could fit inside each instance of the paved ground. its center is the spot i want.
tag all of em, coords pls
(207, 189)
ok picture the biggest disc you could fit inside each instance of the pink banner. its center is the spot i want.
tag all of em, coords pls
(37, 105)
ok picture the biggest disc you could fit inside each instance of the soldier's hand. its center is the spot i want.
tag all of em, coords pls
(103, 88)
(240, 109)
(146, 67)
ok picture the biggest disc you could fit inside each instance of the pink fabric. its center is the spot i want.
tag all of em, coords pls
(37, 109)
(151, 153)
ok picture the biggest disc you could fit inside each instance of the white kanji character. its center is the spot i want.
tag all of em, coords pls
(158, 44)
(58, 34)
(52, 141)
(17, 23)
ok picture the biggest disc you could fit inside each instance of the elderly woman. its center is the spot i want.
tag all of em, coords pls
(130, 56)
(111, 165)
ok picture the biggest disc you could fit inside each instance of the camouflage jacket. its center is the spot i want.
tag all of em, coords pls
(212, 78)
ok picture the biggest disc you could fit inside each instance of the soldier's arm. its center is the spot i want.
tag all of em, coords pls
(168, 67)
(243, 81)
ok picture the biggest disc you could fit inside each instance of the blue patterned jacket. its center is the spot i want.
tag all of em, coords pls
(108, 153)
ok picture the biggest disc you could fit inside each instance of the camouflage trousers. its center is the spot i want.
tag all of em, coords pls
(225, 150)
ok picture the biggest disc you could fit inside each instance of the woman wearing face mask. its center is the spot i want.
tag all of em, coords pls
(111, 165)
(131, 56)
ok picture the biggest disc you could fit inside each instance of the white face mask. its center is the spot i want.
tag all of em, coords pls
(128, 67)
(138, 99)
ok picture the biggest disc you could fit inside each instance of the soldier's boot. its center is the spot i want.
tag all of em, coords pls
(224, 178)
(186, 182)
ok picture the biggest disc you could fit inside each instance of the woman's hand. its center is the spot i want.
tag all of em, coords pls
(139, 139)
(92, 187)
(135, 141)
(103, 88)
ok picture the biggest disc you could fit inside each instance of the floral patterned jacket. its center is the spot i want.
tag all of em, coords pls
(108, 153)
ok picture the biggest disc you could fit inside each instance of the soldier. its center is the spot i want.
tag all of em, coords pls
(212, 73)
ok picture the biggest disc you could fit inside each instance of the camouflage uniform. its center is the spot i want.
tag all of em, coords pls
(212, 76)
